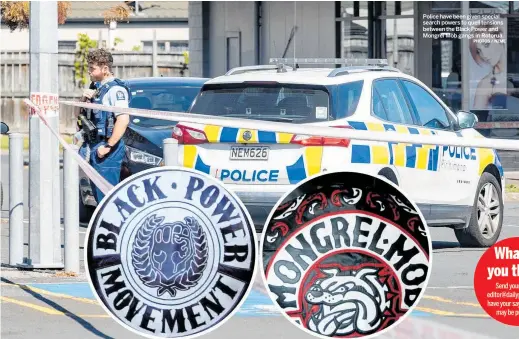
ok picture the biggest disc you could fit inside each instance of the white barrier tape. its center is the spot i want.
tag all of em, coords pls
(314, 130)
(96, 178)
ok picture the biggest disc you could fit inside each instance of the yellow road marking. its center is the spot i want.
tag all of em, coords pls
(54, 294)
(43, 309)
(48, 310)
(52, 311)
(449, 301)
(451, 314)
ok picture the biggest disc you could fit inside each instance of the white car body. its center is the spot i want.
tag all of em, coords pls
(442, 181)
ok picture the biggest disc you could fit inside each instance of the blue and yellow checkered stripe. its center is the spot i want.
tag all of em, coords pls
(307, 165)
(424, 157)
(216, 134)
(193, 160)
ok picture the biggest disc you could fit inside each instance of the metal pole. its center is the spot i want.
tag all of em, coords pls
(170, 152)
(43, 34)
(395, 43)
(71, 211)
(17, 118)
(465, 63)
(15, 198)
(154, 55)
(100, 39)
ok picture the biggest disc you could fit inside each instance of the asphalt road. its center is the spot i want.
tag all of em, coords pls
(46, 304)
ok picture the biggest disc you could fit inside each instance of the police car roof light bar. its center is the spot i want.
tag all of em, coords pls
(330, 61)
(246, 69)
(349, 69)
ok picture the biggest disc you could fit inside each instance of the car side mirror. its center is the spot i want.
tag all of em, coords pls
(466, 119)
(5, 128)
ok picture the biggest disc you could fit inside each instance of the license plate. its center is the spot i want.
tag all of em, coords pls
(249, 153)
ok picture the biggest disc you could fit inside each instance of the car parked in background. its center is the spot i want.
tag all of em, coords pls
(144, 136)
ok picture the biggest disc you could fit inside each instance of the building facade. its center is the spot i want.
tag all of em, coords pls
(168, 19)
(426, 39)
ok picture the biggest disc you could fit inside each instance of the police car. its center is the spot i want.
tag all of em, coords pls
(456, 187)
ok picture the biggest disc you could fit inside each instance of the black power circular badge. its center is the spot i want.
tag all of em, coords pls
(345, 255)
(171, 253)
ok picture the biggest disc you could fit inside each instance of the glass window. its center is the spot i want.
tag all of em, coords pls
(393, 102)
(162, 98)
(398, 7)
(400, 38)
(429, 110)
(354, 39)
(271, 102)
(378, 107)
(348, 98)
(354, 9)
(178, 46)
(67, 45)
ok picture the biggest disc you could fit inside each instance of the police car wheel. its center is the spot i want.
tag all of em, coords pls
(487, 215)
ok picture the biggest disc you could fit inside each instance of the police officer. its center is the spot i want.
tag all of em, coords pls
(104, 148)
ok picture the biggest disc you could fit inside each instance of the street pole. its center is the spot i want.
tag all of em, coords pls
(44, 195)
(465, 63)
(71, 211)
(170, 152)
(154, 61)
(16, 190)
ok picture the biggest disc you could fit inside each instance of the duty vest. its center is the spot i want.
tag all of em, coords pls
(103, 120)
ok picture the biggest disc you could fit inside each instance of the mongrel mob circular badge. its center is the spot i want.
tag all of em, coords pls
(345, 255)
(171, 253)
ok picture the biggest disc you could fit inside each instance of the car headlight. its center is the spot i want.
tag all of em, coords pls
(139, 156)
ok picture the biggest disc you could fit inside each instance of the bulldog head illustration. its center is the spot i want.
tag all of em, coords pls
(347, 304)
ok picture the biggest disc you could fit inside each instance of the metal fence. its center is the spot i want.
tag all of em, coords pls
(14, 81)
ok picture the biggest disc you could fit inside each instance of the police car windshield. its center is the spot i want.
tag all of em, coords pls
(169, 98)
(265, 101)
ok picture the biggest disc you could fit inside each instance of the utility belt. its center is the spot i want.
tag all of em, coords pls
(89, 131)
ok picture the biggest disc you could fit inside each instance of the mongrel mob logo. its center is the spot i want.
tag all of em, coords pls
(171, 253)
(347, 273)
(348, 302)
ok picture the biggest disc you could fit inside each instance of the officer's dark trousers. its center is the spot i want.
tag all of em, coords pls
(109, 167)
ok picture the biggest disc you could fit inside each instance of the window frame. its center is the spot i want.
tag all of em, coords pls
(337, 99)
(329, 90)
(406, 100)
(375, 92)
(448, 114)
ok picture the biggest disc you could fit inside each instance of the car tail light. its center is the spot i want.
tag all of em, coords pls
(307, 140)
(188, 135)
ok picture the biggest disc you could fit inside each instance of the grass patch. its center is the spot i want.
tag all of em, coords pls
(5, 141)
(510, 188)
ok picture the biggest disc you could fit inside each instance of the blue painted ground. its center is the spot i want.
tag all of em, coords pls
(256, 305)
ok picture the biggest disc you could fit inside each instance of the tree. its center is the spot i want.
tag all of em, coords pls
(117, 13)
(15, 14)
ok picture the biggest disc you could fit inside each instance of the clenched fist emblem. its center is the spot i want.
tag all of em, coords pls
(171, 249)
(171, 256)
